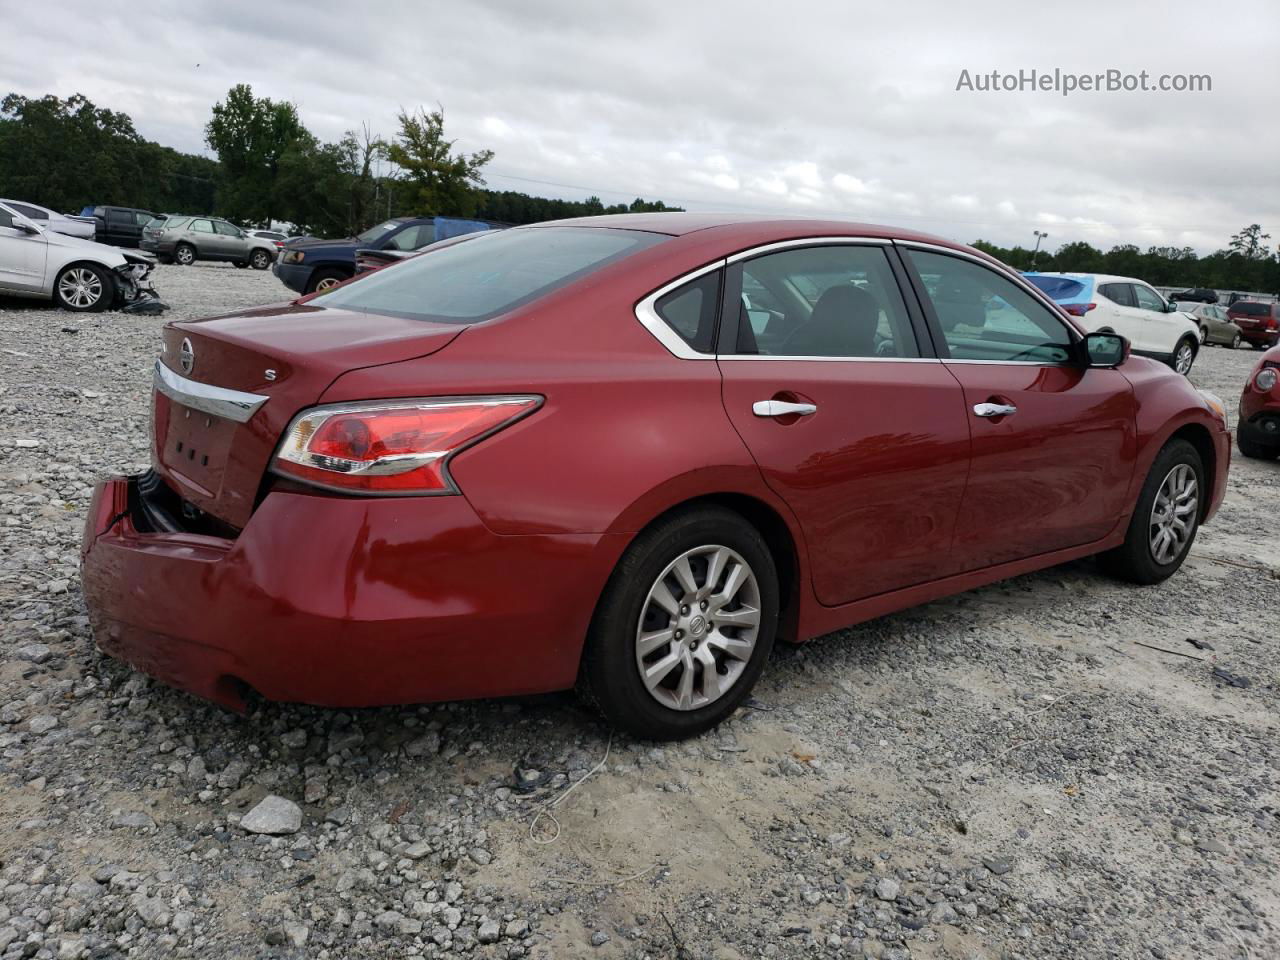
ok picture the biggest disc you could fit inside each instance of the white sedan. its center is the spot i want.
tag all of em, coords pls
(77, 274)
(82, 227)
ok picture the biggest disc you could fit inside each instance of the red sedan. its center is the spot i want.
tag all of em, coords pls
(1258, 431)
(628, 452)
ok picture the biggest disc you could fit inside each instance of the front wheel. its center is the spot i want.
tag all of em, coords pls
(1204, 334)
(1254, 450)
(684, 626)
(241, 264)
(1236, 341)
(325, 279)
(1184, 356)
(1165, 519)
(83, 288)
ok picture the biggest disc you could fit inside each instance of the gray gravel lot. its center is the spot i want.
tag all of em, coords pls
(1006, 773)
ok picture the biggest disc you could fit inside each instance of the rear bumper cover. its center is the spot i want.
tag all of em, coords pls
(341, 602)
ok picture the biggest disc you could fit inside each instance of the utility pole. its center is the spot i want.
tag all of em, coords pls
(1039, 236)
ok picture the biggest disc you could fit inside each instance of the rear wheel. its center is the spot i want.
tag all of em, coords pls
(684, 626)
(1204, 334)
(83, 287)
(260, 260)
(184, 254)
(324, 279)
(1165, 519)
(1184, 355)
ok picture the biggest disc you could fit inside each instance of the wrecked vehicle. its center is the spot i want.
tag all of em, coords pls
(77, 274)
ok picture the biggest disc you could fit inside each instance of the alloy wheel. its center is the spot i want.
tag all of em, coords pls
(80, 287)
(326, 283)
(1174, 513)
(185, 256)
(698, 627)
(1183, 359)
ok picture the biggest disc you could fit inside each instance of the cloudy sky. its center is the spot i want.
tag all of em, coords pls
(815, 108)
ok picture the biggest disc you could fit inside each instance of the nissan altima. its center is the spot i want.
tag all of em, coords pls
(628, 454)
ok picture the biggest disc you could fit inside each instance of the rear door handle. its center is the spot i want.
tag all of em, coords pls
(782, 408)
(994, 409)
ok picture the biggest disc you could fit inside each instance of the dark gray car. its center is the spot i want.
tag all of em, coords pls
(184, 240)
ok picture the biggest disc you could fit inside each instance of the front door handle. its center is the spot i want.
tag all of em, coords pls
(782, 408)
(994, 409)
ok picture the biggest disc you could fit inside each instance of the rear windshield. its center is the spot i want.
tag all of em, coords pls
(1250, 309)
(1059, 288)
(489, 275)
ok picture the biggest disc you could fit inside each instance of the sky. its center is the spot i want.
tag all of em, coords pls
(836, 109)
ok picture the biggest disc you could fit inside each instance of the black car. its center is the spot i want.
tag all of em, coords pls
(1196, 295)
(310, 264)
(118, 226)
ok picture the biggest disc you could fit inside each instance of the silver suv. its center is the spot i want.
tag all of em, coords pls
(184, 240)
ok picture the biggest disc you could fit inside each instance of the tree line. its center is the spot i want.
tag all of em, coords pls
(1247, 263)
(69, 153)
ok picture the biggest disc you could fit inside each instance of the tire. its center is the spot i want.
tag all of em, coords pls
(84, 288)
(1184, 354)
(1136, 559)
(1236, 341)
(260, 259)
(241, 264)
(184, 254)
(1254, 450)
(687, 638)
(1204, 335)
(324, 278)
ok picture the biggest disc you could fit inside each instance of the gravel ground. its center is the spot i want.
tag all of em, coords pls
(1006, 773)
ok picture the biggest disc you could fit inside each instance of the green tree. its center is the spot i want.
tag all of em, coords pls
(443, 183)
(251, 135)
(1250, 243)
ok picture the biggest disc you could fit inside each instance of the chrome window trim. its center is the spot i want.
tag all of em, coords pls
(804, 242)
(205, 397)
(647, 314)
(769, 356)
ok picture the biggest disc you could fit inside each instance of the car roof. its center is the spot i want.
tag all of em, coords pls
(682, 224)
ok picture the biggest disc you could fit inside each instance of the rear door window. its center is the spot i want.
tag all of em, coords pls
(986, 316)
(489, 275)
(201, 226)
(226, 229)
(1121, 293)
(839, 300)
(121, 218)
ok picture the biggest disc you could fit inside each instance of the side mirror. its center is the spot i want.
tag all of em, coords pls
(25, 226)
(1171, 307)
(1105, 350)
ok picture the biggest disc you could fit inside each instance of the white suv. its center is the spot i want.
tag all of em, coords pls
(1152, 325)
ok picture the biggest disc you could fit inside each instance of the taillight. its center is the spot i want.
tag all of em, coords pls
(1078, 309)
(391, 446)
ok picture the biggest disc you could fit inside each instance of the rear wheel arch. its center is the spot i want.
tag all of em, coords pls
(780, 537)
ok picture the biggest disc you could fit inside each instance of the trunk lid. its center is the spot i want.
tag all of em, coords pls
(288, 354)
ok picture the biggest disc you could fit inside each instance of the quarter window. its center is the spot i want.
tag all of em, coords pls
(690, 310)
(985, 316)
(840, 300)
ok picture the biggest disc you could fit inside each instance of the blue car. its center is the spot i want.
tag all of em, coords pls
(310, 264)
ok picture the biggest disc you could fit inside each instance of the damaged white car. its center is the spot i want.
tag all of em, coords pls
(75, 273)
